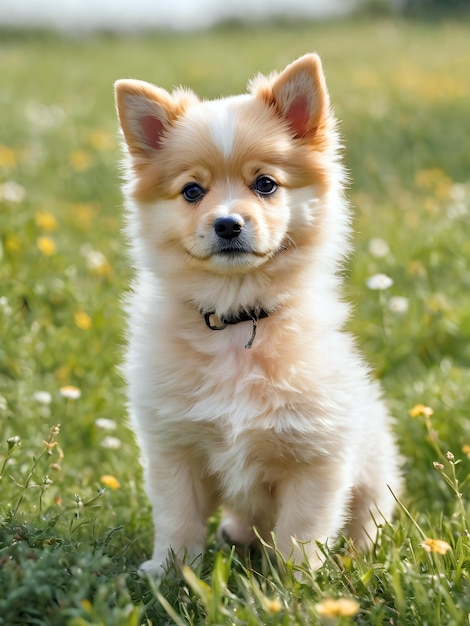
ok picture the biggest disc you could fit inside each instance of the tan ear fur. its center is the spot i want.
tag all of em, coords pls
(146, 112)
(299, 93)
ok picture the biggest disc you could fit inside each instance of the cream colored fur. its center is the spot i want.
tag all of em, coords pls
(291, 435)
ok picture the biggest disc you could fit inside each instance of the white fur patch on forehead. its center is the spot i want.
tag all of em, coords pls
(222, 128)
(221, 117)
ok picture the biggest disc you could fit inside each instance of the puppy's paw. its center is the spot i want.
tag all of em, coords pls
(233, 529)
(152, 568)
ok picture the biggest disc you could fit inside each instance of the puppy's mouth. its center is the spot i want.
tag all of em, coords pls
(238, 253)
(237, 249)
(233, 249)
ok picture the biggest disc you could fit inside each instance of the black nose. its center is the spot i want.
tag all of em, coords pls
(228, 227)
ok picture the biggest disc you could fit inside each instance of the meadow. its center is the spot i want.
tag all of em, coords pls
(74, 521)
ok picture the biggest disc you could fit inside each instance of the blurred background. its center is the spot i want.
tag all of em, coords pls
(120, 15)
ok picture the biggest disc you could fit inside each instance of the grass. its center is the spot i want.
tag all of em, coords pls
(74, 522)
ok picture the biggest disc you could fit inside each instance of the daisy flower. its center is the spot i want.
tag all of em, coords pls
(43, 397)
(70, 392)
(398, 304)
(379, 282)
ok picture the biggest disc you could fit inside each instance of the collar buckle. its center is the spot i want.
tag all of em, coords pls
(250, 316)
(207, 319)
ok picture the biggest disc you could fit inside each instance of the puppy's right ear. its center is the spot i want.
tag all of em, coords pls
(145, 113)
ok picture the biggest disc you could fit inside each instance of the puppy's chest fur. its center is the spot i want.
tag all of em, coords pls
(239, 408)
(246, 435)
(253, 459)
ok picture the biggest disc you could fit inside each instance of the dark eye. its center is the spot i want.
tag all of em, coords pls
(264, 185)
(192, 192)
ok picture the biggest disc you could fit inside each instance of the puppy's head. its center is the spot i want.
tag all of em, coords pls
(229, 185)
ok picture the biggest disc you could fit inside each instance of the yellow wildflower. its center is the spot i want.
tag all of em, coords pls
(416, 268)
(46, 221)
(110, 481)
(102, 140)
(420, 410)
(273, 606)
(466, 450)
(103, 270)
(84, 214)
(46, 245)
(7, 157)
(80, 160)
(86, 606)
(437, 302)
(62, 374)
(340, 607)
(435, 180)
(82, 320)
(12, 243)
(436, 545)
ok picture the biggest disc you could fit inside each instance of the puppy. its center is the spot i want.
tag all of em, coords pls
(244, 389)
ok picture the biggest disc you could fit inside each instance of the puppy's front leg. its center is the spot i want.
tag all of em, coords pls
(312, 506)
(181, 502)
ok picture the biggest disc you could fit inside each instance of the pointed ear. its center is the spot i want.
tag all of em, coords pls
(301, 96)
(145, 112)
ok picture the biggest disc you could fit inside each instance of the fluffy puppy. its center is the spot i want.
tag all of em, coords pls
(244, 389)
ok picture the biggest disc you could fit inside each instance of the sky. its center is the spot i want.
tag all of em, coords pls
(79, 15)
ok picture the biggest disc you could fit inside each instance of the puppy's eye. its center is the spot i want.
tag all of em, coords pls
(264, 186)
(192, 192)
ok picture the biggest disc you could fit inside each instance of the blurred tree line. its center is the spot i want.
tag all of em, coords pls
(417, 7)
(436, 5)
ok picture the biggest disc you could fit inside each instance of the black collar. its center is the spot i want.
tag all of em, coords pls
(252, 316)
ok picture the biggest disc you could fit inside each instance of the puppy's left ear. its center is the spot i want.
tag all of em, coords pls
(146, 114)
(300, 95)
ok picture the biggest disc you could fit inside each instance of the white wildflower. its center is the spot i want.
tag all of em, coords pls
(112, 443)
(105, 423)
(457, 192)
(42, 116)
(7, 310)
(12, 192)
(378, 247)
(398, 304)
(95, 259)
(3, 403)
(43, 397)
(456, 210)
(379, 282)
(70, 392)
